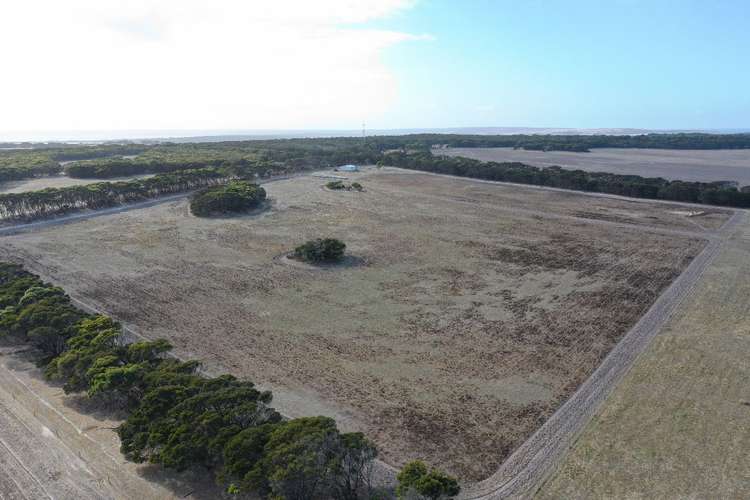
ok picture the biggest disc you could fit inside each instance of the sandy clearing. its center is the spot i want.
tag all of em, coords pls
(689, 165)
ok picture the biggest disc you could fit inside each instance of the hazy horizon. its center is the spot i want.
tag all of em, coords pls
(176, 65)
(220, 134)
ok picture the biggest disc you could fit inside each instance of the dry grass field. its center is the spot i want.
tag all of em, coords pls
(468, 312)
(678, 425)
(687, 165)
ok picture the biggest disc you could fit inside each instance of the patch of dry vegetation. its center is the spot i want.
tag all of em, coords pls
(452, 341)
(678, 425)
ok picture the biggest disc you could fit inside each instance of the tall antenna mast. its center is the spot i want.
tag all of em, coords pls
(363, 130)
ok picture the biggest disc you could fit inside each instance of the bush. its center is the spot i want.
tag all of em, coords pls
(236, 196)
(340, 186)
(321, 250)
(415, 481)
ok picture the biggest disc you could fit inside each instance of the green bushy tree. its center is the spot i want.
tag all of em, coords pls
(321, 250)
(416, 481)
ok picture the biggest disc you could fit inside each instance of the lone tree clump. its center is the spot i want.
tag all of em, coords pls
(234, 197)
(320, 250)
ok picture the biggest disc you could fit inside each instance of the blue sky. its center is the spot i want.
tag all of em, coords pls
(89, 65)
(648, 64)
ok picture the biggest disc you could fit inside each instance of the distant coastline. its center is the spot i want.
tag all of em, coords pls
(216, 135)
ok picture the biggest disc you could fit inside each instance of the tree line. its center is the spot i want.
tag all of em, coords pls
(19, 165)
(583, 143)
(180, 419)
(712, 193)
(121, 167)
(37, 160)
(33, 205)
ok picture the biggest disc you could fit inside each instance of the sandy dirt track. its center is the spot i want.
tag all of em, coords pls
(688, 165)
(451, 341)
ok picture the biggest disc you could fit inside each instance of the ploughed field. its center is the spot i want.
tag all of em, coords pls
(466, 315)
(671, 164)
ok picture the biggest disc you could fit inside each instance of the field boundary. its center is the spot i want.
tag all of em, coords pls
(527, 468)
(593, 194)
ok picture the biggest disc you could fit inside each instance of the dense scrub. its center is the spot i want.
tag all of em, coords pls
(582, 143)
(327, 250)
(120, 167)
(178, 418)
(600, 182)
(57, 201)
(247, 159)
(236, 196)
(39, 160)
(245, 155)
(18, 165)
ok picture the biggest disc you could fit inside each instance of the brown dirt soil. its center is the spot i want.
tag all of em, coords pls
(474, 309)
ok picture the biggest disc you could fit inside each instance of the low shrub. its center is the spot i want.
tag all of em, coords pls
(416, 482)
(340, 186)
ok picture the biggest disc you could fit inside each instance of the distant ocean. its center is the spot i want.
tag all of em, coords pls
(95, 136)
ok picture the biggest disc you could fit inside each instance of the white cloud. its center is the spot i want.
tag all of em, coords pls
(194, 64)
